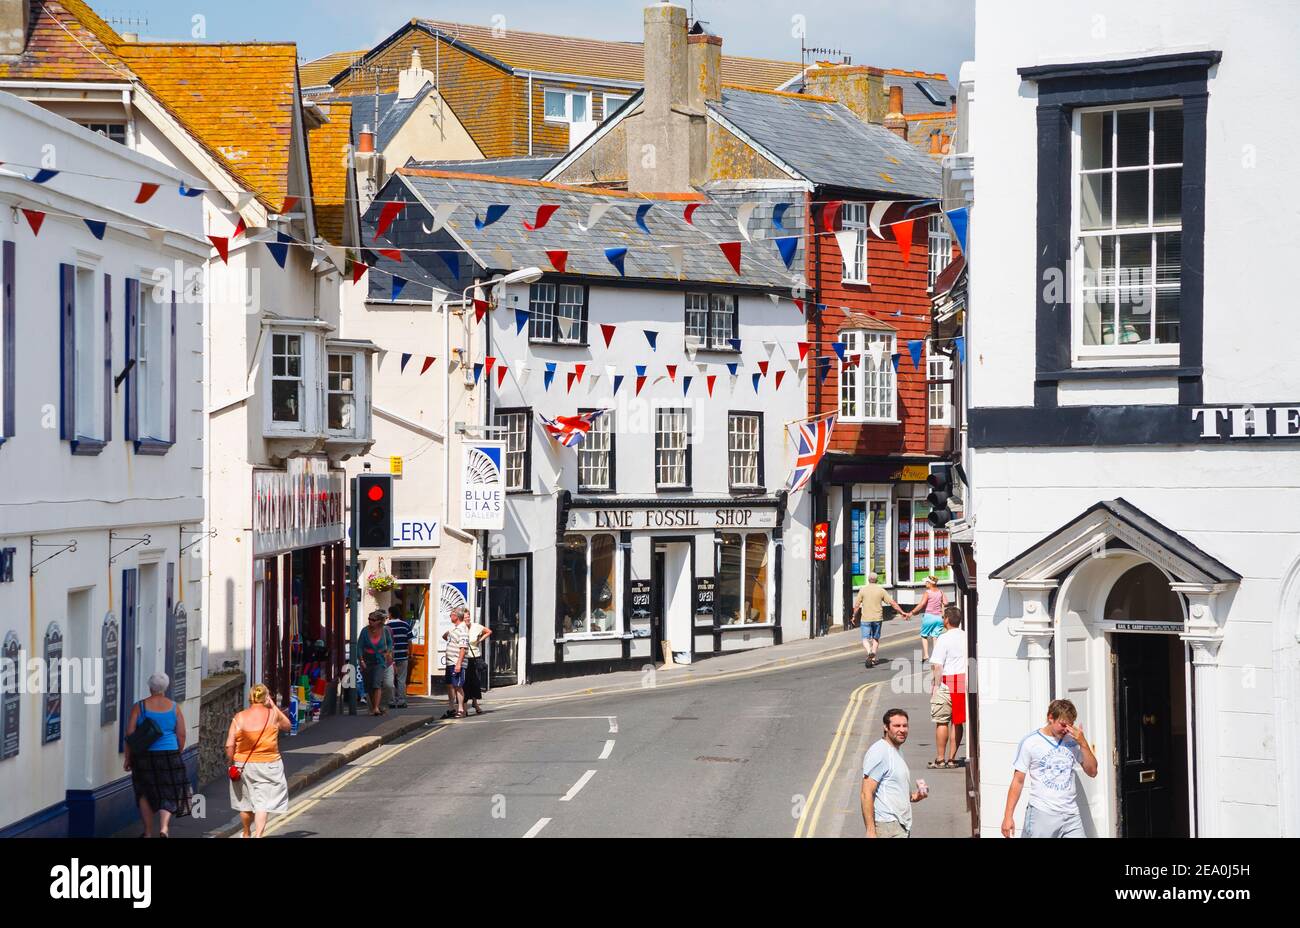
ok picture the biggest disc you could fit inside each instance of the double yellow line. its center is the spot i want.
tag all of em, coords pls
(824, 784)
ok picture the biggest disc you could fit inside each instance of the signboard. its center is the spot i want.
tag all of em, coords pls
(915, 472)
(395, 465)
(879, 538)
(417, 532)
(1264, 421)
(483, 485)
(108, 647)
(666, 518)
(7, 564)
(821, 534)
(705, 591)
(450, 595)
(641, 599)
(52, 718)
(10, 694)
(1167, 627)
(180, 651)
(297, 507)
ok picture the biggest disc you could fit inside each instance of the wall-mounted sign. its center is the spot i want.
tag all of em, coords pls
(7, 564)
(52, 718)
(10, 695)
(672, 518)
(1267, 421)
(1171, 628)
(297, 507)
(821, 539)
(180, 644)
(417, 532)
(641, 599)
(108, 647)
(914, 472)
(705, 589)
(450, 596)
(395, 465)
(483, 485)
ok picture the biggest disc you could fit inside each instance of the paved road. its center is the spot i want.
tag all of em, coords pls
(765, 753)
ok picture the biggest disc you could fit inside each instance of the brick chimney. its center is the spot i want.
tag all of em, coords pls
(895, 122)
(860, 88)
(369, 166)
(667, 140)
(704, 57)
(14, 20)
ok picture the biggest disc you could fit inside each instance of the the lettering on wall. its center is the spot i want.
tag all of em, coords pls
(483, 487)
(685, 517)
(296, 507)
(1248, 421)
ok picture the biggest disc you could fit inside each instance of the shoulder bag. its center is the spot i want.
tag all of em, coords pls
(147, 731)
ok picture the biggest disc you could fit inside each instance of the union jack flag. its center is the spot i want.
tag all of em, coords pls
(570, 431)
(812, 441)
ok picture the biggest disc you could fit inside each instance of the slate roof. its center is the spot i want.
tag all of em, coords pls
(526, 168)
(914, 99)
(703, 260)
(828, 144)
(384, 113)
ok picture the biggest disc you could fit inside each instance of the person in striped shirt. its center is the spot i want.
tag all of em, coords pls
(400, 629)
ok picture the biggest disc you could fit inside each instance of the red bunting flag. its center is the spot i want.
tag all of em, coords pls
(831, 213)
(34, 219)
(392, 254)
(640, 382)
(711, 380)
(480, 309)
(803, 349)
(428, 363)
(146, 191)
(732, 251)
(780, 375)
(358, 271)
(672, 372)
(903, 235)
(544, 214)
(387, 215)
(689, 212)
(501, 376)
(289, 204)
(557, 259)
(580, 369)
(488, 363)
(852, 360)
(222, 244)
(762, 368)
(607, 331)
(571, 375)
(240, 228)
(799, 304)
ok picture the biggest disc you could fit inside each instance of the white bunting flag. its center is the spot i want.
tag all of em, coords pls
(877, 349)
(878, 213)
(438, 297)
(594, 214)
(742, 218)
(338, 256)
(566, 326)
(593, 378)
(704, 368)
(441, 213)
(521, 373)
(847, 239)
(610, 371)
(677, 254)
(769, 347)
(691, 349)
(775, 298)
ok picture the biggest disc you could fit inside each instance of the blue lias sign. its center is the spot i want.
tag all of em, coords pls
(483, 485)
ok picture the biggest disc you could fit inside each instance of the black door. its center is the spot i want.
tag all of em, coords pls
(657, 607)
(1151, 796)
(504, 609)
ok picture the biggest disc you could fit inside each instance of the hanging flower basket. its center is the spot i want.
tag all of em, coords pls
(380, 582)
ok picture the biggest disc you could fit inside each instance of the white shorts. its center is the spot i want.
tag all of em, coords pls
(1040, 824)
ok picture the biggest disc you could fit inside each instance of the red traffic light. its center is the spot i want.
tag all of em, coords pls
(376, 492)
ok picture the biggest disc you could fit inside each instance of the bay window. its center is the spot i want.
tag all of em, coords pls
(342, 392)
(867, 382)
(586, 599)
(742, 595)
(287, 385)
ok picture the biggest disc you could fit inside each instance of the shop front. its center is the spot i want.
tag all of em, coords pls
(637, 580)
(300, 615)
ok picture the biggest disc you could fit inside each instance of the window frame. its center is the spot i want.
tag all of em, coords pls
(567, 119)
(604, 102)
(849, 219)
(711, 311)
(939, 252)
(104, 129)
(859, 387)
(535, 318)
(87, 431)
(1150, 352)
(163, 368)
(607, 421)
(358, 362)
(526, 414)
(769, 619)
(300, 423)
(913, 494)
(685, 449)
(757, 487)
(944, 390)
(616, 590)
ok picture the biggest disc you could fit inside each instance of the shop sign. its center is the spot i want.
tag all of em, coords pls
(7, 564)
(10, 696)
(108, 647)
(417, 532)
(821, 535)
(723, 517)
(52, 719)
(641, 599)
(914, 473)
(450, 596)
(1267, 421)
(705, 589)
(483, 486)
(1169, 627)
(180, 651)
(297, 507)
(395, 465)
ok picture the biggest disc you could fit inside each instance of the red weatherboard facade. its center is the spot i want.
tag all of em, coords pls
(892, 287)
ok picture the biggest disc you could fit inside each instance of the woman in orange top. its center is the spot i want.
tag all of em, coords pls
(253, 748)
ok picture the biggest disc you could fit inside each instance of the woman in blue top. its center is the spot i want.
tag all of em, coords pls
(161, 782)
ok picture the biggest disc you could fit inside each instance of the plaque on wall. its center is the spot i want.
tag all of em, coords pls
(641, 599)
(10, 694)
(52, 718)
(109, 643)
(180, 651)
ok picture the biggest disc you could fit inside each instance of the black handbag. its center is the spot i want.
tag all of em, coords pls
(481, 671)
(146, 733)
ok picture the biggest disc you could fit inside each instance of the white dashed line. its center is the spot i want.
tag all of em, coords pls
(609, 749)
(541, 823)
(573, 790)
(613, 725)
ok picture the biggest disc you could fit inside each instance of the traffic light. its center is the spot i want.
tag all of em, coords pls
(374, 519)
(941, 496)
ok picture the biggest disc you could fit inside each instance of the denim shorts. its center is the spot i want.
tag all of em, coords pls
(453, 678)
(871, 630)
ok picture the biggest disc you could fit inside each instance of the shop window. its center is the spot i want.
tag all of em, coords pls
(1128, 226)
(940, 247)
(742, 580)
(518, 438)
(922, 549)
(854, 216)
(867, 381)
(745, 450)
(557, 313)
(672, 449)
(869, 541)
(586, 601)
(596, 455)
(712, 321)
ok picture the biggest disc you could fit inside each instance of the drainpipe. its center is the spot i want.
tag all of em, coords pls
(817, 489)
(530, 113)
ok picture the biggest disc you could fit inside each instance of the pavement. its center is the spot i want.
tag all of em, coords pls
(760, 743)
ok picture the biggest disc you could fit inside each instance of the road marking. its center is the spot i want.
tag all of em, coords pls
(609, 749)
(839, 729)
(573, 790)
(613, 725)
(541, 823)
(833, 777)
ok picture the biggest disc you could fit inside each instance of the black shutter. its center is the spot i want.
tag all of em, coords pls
(762, 482)
(8, 343)
(172, 433)
(108, 358)
(128, 359)
(690, 425)
(528, 450)
(67, 352)
(735, 316)
(586, 301)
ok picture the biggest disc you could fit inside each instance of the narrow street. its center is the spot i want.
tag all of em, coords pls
(742, 756)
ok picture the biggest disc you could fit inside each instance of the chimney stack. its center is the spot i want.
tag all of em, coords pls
(895, 122)
(365, 139)
(667, 141)
(14, 20)
(412, 79)
(704, 55)
(858, 87)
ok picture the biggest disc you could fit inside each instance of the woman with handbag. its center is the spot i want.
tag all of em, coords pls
(257, 782)
(476, 673)
(155, 738)
(375, 653)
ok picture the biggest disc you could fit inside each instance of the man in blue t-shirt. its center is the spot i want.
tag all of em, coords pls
(400, 629)
(887, 794)
(1046, 757)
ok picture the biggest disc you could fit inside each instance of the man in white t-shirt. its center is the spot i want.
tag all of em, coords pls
(948, 688)
(1046, 757)
(887, 795)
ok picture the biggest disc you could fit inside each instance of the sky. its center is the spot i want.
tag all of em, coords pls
(926, 35)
